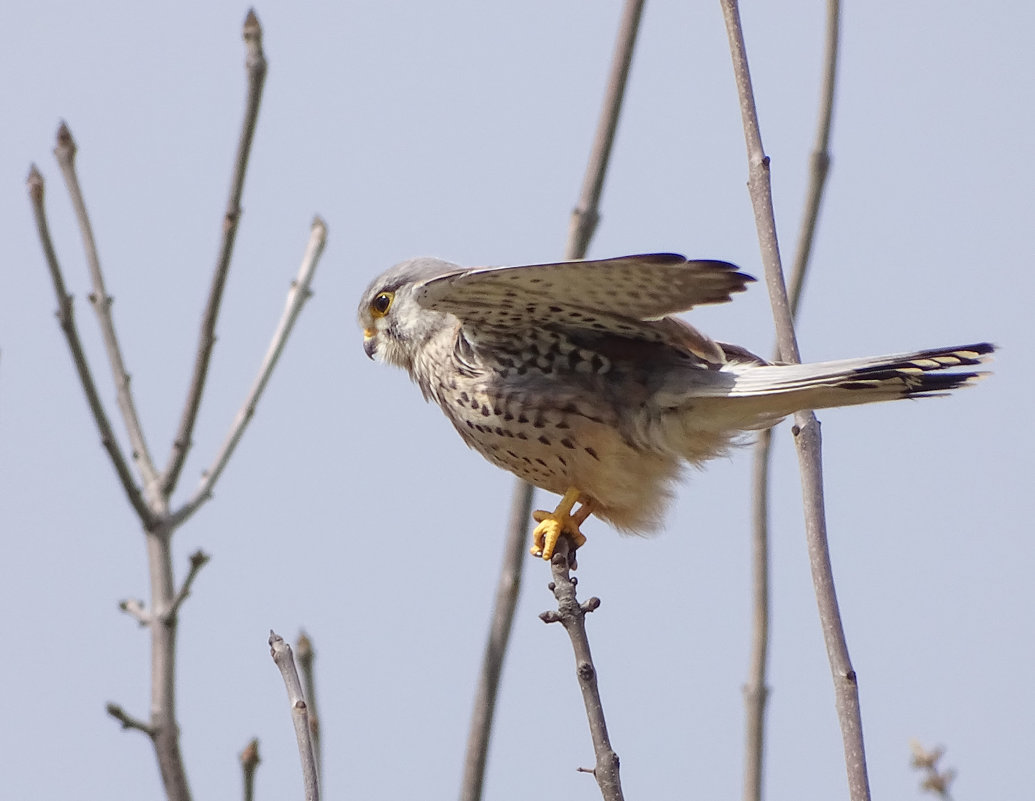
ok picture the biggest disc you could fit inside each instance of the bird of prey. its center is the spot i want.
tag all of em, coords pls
(576, 377)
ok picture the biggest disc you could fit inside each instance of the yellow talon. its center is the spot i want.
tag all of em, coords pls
(559, 521)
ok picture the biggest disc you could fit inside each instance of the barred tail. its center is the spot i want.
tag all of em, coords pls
(766, 393)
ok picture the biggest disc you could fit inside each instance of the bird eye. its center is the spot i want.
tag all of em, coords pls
(381, 303)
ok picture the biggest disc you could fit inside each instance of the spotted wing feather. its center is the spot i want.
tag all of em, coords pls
(577, 293)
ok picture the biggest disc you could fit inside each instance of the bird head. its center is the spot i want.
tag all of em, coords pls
(395, 325)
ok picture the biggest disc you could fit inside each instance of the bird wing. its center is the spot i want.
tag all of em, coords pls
(646, 287)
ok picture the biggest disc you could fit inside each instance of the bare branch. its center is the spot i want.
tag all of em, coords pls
(136, 609)
(249, 765)
(163, 629)
(572, 615)
(819, 162)
(285, 661)
(128, 721)
(255, 63)
(297, 295)
(198, 560)
(756, 691)
(806, 430)
(307, 661)
(68, 326)
(101, 300)
(507, 589)
(586, 215)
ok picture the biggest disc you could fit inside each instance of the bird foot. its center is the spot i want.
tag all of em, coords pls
(560, 521)
(551, 527)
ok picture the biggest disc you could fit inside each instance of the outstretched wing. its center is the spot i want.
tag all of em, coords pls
(645, 287)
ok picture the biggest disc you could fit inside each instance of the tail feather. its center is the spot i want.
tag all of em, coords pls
(765, 393)
(901, 375)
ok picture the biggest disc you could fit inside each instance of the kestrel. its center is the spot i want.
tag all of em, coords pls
(575, 377)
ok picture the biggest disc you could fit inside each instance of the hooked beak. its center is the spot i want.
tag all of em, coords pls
(369, 344)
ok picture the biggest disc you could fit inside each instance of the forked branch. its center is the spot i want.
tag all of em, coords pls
(152, 505)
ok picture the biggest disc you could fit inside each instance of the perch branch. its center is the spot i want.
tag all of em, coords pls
(583, 223)
(297, 295)
(756, 691)
(285, 661)
(65, 152)
(572, 615)
(255, 63)
(806, 431)
(67, 321)
(507, 589)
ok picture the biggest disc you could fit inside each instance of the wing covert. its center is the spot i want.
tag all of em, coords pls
(643, 287)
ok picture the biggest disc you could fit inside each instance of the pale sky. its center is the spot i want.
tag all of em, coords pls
(352, 509)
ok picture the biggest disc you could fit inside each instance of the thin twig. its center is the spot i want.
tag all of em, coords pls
(255, 63)
(136, 609)
(507, 588)
(297, 296)
(307, 661)
(583, 223)
(756, 691)
(128, 721)
(572, 615)
(249, 765)
(67, 321)
(285, 661)
(806, 430)
(586, 214)
(65, 151)
(819, 161)
(198, 560)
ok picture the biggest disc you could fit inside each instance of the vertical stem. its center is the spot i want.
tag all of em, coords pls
(807, 435)
(586, 215)
(507, 590)
(163, 666)
(756, 692)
